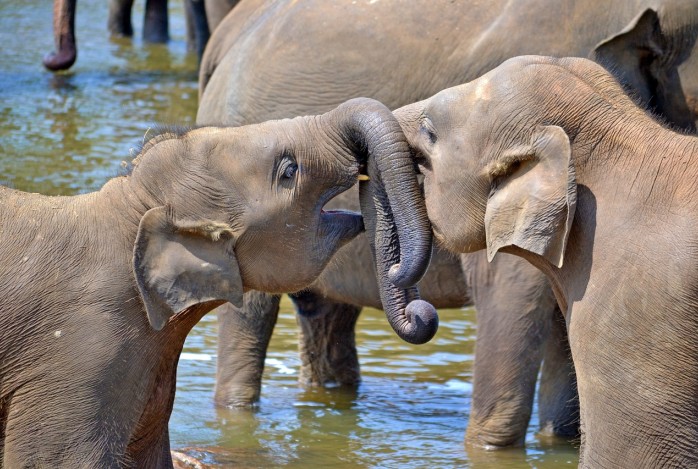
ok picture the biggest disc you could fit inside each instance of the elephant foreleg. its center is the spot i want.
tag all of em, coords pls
(558, 401)
(327, 344)
(514, 307)
(64, 36)
(155, 24)
(119, 20)
(243, 338)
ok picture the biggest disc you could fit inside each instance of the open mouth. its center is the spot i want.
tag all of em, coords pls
(363, 173)
(341, 224)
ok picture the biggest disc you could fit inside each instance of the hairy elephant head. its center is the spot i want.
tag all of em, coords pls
(656, 58)
(243, 207)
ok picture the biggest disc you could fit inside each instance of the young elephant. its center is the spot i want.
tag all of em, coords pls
(549, 160)
(100, 290)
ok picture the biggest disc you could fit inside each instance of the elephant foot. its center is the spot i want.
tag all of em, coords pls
(327, 344)
(61, 60)
(493, 440)
(500, 423)
(119, 21)
(237, 397)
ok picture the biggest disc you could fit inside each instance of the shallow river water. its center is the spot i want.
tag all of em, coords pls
(69, 133)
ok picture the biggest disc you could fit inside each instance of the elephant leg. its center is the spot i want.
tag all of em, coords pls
(514, 307)
(155, 24)
(327, 344)
(216, 10)
(197, 26)
(63, 36)
(243, 338)
(558, 401)
(119, 22)
(4, 410)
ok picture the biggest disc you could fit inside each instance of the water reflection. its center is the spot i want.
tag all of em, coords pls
(409, 411)
(67, 133)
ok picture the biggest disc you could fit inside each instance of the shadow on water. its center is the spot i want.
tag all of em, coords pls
(68, 133)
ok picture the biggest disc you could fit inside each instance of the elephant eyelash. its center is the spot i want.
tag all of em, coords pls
(427, 128)
(287, 169)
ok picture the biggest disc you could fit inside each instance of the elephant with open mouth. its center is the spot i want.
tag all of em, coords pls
(100, 290)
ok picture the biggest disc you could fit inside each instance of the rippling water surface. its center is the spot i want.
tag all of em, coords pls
(69, 133)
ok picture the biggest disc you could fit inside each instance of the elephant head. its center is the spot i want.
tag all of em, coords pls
(487, 188)
(656, 58)
(247, 212)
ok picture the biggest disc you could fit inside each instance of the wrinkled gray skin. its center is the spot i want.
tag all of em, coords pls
(100, 290)
(155, 25)
(552, 162)
(314, 54)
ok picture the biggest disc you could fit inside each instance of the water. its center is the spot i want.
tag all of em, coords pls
(69, 133)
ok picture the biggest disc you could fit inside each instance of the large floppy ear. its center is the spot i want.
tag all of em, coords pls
(533, 197)
(178, 264)
(631, 54)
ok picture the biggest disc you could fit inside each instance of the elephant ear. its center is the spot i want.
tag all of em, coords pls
(631, 53)
(178, 264)
(534, 196)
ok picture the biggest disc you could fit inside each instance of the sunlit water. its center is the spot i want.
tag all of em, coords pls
(69, 133)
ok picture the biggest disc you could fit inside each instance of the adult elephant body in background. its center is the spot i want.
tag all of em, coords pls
(279, 59)
(100, 290)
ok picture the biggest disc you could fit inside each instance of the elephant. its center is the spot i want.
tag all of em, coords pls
(313, 55)
(155, 26)
(549, 159)
(101, 289)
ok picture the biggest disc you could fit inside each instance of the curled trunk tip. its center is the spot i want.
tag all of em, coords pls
(422, 323)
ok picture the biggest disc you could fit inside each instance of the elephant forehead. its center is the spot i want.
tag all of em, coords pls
(483, 89)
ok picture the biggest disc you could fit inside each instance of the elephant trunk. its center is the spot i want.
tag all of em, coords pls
(64, 37)
(395, 216)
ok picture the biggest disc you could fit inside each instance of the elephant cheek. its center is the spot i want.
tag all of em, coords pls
(457, 221)
(435, 211)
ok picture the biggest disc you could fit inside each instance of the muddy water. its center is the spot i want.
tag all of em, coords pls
(69, 133)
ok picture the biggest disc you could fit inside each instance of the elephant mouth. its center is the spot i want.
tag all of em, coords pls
(341, 225)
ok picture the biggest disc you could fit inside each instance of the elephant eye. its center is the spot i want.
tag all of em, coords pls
(290, 171)
(427, 128)
(287, 168)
